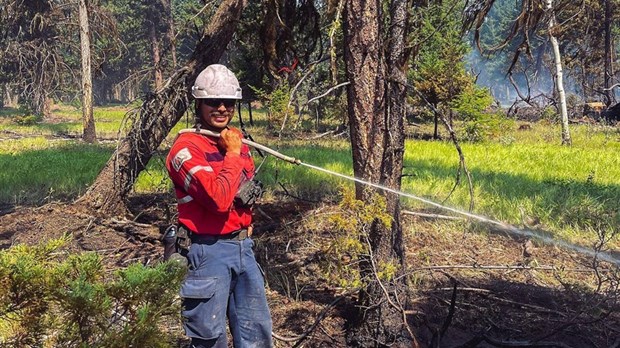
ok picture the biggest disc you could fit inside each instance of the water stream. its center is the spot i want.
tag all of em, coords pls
(506, 227)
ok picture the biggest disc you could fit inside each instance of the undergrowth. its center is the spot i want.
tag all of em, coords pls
(50, 299)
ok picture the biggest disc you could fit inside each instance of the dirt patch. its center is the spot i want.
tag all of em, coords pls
(507, 289)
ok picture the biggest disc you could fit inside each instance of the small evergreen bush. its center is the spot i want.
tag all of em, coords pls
(478, 124)
(352, 225)
(277, 104)
(49, 301)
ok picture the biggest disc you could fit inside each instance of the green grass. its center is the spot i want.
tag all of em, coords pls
(35, 169)
(567, 188)
(573, 191)
(66, 120)
(524, 174)
(42, 167)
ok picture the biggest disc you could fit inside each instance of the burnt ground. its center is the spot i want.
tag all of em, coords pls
(509, 292)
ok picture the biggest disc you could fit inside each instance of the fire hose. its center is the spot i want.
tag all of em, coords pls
(504, 226)
(247, 142)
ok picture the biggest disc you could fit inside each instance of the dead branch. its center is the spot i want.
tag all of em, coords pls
(500, 267)
(398, 307)
(519, 93)
(612, 87)
(462, 165)
(318, 97)
(319, 136)
(294, 196)
(310, 69)
(474, 342)
(489, 294)
(328, 92)
(529, 99)
(436, 340)
(299, 339)
(129, 222)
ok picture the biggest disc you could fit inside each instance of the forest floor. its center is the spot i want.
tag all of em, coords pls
(509, 292)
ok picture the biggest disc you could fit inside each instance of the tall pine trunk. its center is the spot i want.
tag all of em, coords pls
(155, 54)
(170, 32)
(158, 115)
(610, 96)
(559, 76)
(376, 111)
(88, 121)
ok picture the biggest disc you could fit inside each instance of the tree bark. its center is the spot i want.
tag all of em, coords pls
(610, 96)
(88, 121)
(170, 32)
(47, 106)
(559, 79)
(435, 124)
(269, 35)
(10, 97)
(159, 113)
(156, 55)
(376, 111)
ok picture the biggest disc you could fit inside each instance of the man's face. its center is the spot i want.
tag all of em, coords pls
(216, 113)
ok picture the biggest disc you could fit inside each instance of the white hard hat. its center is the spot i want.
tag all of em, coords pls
(217, 82)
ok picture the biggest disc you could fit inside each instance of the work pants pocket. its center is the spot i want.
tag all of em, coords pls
(204, 308)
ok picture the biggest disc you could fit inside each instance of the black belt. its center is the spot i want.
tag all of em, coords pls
(235, 235)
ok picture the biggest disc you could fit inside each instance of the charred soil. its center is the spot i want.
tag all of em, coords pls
(469, 287)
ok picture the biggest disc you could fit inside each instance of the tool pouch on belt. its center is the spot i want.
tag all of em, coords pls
(176, 240)
(183, 241)
(249, 192)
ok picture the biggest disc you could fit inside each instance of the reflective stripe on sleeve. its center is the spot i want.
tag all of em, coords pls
(185, 199)
(190, 175)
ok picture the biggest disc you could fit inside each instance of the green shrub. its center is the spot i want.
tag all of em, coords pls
(75, 302)
(472, 103)
(276, 102)
(26, 120)
(478, 124)
(352, 225)
(484, 127)
(549, 114)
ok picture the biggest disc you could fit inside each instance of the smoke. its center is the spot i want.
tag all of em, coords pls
(535, 80)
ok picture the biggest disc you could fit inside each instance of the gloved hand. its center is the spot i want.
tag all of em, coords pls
(230, 140)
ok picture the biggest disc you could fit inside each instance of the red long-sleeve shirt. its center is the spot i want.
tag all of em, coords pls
(206, 182)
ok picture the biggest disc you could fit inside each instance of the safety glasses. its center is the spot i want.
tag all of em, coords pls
(214, 103)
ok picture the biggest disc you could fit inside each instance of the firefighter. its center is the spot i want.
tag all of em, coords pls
(214, 186)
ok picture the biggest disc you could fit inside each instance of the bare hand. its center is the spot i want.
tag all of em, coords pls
(230, 140)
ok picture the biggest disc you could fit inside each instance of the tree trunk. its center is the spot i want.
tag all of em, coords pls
(559, 79)
(170, 32)
(116, 93)
(158, 114)
(47, 107)
(156, 55)
(584, 81)
(88, 121)
(435, 124)
(10, 98)
(269, 35)
(376, 111)
(610, 96)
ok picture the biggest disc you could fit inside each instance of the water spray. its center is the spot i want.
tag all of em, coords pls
(504, 226)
